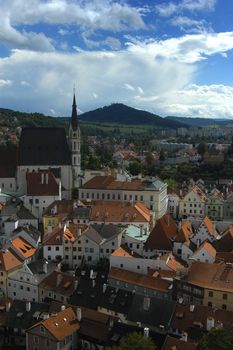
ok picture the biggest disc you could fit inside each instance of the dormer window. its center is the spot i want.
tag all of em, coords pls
(74, 134)
(42, 330)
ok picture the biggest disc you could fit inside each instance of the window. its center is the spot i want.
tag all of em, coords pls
(119, 196)
(79, 249)
(107, 250)
(108, 196)
(47, 342)
(98, 196)
(49, 257)
(92, 195)
(91, 250)
(224, 307)
(113, 243)
(36, 340)
(42, 330)
(67, 257)
(151, 198)
(125, 197)
(89, 258)
(57, 248)
(224, 296)
(21, 287)
(113, 196)
(86, 240)
(138, 267)
(37, 201)
(49, 248)
(141, 198)
(74, 249)
(28, 289)
(103, 195)
(211, 294)
(121, 265)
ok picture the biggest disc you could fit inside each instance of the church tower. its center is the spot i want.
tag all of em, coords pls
(75, 145)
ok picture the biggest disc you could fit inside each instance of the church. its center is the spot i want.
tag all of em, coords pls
(47, 150)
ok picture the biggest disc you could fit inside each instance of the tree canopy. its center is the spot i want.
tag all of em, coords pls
(135, 341)
(217, 339)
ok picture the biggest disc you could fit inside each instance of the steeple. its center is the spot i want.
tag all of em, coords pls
(74, 116)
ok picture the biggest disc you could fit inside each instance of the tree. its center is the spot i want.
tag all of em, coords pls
(135, 341)
(201, 148)
(217, 339)
(172, 184)
(161, 156)
(135, 167)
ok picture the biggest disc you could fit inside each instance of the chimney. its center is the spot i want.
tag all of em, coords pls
(79, 314)
(209, 323)
(191, 308)
(8, 306)
(145, 231)
(198, 243)
(28, 306)
(75, 284)
(184, 336)
(79, 232)
(42, 178)
(146, 332)
(46, 178)
(93, 283)
(104, 287)
(45, 267)
(59, 279)
(91, 273)
(49, 229)
(146, 303)
(63, 307)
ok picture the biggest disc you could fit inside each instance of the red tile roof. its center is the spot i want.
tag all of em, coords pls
(163, 232)
(139, 279)
(110, 183)
(42, 184)
(114, 211)
(61, 325)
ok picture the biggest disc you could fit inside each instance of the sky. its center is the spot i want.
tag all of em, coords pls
(167, 57)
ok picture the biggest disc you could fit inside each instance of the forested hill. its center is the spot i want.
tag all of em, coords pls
(114, 114)
(119, 113)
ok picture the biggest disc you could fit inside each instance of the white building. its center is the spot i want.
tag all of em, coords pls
(151, 192)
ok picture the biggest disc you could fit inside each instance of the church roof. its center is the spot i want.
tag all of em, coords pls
(44, 146)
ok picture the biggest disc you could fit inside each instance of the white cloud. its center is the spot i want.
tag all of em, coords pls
(129, 87)
(5, 82)
(167, 9)
(186, 49)
(191, 25)
(91, 14)
(153, 75)
(24, 40)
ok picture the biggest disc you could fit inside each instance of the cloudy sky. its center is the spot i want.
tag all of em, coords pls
(168, 57)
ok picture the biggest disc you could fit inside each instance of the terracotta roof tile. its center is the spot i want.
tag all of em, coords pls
(212, 276)
(208, 247)
(42, 184)
(8, 260)
(61, 325)
(139, 279)
(162, 234)
(23, 247)
(59, 282)
(114, 211)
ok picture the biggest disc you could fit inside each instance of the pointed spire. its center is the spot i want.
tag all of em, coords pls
(74, 116)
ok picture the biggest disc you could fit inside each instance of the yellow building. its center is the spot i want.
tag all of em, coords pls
(56, 213)
(216, 280)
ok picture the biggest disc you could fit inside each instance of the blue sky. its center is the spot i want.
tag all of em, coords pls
(168, 57)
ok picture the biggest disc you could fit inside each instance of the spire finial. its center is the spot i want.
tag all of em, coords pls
(74, 116)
